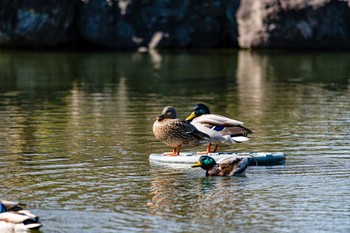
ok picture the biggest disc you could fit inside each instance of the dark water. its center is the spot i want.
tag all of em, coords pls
(75, 136)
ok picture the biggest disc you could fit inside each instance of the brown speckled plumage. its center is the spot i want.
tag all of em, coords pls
(172, 131)
(227, 167)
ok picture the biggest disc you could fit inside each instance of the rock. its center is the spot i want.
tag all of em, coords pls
(159, 23)
(147, 24)
(294, 24)
(35, 23)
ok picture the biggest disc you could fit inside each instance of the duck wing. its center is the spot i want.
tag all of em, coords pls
(235, 131)
(14, 213)
(217, 120)
(233, 166)
(12, 206)
(225, 125)
(190, 129)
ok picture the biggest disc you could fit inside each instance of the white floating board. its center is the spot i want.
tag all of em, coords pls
(256, 158)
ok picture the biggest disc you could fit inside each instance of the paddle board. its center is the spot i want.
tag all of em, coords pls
(255, 158)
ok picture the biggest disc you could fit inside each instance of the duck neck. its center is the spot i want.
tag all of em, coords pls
(207, 171)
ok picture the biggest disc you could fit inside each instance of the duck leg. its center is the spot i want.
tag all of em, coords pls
(208, 150)
(176, 151)
(216, 148)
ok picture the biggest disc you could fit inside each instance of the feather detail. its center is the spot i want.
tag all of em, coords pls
(175, 133)
(214, 120)
(221, 129)
(14, 217)
(231, 166)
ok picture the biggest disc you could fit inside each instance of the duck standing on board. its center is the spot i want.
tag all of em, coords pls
(222, 130)
(175, 133)
(14, 218)
(230, 166)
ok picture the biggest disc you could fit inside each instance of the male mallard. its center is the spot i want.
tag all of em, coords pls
(230, 166)
(13, 216)
(221, 129)
(175, 133)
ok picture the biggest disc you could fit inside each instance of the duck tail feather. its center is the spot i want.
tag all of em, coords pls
(241, 167)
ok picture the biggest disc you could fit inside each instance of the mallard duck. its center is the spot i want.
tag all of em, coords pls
(168, 128)
(230, 166)
(13, 217)
(221, 129)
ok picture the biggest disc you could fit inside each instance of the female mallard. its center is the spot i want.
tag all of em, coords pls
(175, 133)
(14, 218)
(221, 129)
(230, 166)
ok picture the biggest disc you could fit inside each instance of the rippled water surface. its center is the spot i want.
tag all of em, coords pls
(75, 136)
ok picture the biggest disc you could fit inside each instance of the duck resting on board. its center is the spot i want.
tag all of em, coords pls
(222, 130)
(230, 166)
(14, 218)
(175, 133)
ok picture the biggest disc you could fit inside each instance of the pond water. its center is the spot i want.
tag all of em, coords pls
(76, 134)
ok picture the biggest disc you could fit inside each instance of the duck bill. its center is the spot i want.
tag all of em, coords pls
(198, 164)
(190, 117)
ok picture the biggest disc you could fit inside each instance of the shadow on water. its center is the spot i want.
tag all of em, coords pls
(75, 135)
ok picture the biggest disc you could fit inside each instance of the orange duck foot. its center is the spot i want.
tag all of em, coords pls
(176, 152)
(208, 150)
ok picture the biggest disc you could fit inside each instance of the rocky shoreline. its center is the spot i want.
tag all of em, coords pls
(127, 24)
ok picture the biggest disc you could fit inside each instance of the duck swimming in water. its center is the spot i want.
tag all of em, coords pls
(222, 130)
(169, 129)
(230, 166)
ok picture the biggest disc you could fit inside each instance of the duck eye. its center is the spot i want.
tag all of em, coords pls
(199, 112)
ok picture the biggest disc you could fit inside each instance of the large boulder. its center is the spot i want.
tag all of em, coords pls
(294, 23)
(160, 23)
(35, 23)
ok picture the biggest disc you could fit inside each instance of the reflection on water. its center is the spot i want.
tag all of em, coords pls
(75, 135)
